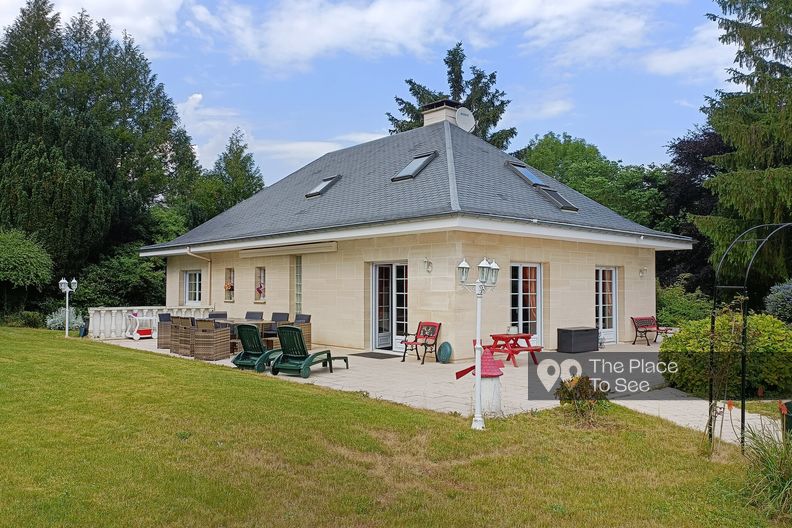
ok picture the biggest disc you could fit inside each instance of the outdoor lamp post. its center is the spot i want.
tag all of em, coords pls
(67, 288)
(488, 277)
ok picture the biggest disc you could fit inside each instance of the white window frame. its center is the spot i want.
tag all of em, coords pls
(260, 277)
(298, 283)
(539, 335)
(199, 285)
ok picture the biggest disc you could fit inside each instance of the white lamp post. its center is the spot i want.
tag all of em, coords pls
(67, 288)
(488, 277)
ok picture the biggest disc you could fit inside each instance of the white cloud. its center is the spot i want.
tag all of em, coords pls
(536, 105)
(148, 21)
(292, 34)
(211, 126)
(574, 31)
(701, 58)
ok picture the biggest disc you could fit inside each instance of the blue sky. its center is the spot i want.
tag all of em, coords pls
(304, 77)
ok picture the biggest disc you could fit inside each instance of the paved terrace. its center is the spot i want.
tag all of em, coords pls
(433, 386)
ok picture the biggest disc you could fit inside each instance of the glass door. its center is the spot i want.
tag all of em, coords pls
(389, 305)
(605, 303)
(526, 300)
(400, 302)
(383, 309)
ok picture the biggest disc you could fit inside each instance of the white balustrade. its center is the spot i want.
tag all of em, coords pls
(110, 322)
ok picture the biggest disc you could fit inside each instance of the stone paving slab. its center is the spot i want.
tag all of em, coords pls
(433, 386)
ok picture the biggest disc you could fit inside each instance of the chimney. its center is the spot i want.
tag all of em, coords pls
(439, 111)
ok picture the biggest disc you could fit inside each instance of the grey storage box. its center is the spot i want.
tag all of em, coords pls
(578, 339)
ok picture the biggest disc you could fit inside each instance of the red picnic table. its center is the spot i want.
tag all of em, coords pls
(509, 344)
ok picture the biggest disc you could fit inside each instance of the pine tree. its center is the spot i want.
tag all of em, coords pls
(756, 184)
(477, 93)
(234, 177)
(31, 51)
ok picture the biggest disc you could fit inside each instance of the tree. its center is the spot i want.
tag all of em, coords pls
(122, 279)
(234, 177)
(31, 51)
(756, 183)
(633, 191)
(685, 194)
(81, 112)
(24, 264)
(554, 153)
(477, 93)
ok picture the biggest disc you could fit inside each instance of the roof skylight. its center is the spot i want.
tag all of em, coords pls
(526, 173)
(323, 186)
(553, 195)
(418, 164)
(560, 201)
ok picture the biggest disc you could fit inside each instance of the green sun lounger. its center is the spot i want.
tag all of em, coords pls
(254, 355)
(295, 359)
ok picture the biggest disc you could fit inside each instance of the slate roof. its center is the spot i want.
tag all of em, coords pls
(467, 177)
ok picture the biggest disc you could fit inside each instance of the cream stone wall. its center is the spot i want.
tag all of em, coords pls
(337, 286)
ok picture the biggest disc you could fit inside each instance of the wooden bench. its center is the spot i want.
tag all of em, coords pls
(644, 325)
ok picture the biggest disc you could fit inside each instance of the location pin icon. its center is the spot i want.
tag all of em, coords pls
(547, 378)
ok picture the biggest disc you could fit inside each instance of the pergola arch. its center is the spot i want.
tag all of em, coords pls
(771, 231)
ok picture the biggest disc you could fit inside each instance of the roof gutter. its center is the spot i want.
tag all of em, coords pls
(209, 260)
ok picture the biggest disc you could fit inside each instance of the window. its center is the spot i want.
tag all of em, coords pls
(412, 169)
(551, 194)
(527, 173)
(561, 202)
(192, 287)
(298, 284)
(323, 186)
(526, 300)
(261, 285)
(228, 285)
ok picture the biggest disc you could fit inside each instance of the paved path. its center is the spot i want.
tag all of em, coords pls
(689, 411)
(433, 386)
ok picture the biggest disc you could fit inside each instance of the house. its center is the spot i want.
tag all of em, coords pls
(367, 240)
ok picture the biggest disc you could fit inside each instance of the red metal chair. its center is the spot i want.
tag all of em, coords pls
(426, 336)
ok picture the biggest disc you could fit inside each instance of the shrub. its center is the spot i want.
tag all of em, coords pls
(779, 301)
(769, 360)
(675, 305)
(122, 279)
(57, 319)
(769, 469)
(23, 264)
(32, 319)
(582, 397)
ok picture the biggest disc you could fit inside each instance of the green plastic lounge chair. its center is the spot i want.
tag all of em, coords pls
(295, 358)
(254, 355)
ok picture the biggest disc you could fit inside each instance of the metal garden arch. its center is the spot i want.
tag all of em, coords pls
(742, 238)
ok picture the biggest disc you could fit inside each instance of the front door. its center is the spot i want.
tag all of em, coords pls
(605, 303)
(389, 306)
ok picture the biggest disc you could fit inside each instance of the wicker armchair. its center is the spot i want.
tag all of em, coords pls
(183, 336)
(211, 341)
(164, 331)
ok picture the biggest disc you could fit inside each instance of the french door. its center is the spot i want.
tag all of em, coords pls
(389, 306)
(526, 300)
(605, 303)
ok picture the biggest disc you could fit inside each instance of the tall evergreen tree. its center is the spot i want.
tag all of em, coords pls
(234, 177)
(477, 93)
(756, 184)
(31, 52)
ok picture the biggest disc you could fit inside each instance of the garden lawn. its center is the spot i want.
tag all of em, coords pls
(98, 435)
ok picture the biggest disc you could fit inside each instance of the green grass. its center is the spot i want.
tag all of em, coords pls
(98, 435)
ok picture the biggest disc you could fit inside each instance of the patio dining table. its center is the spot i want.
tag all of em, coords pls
(234, 321)
(509, 344)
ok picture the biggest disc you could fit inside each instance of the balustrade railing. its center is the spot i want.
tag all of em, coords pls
(111, 322)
